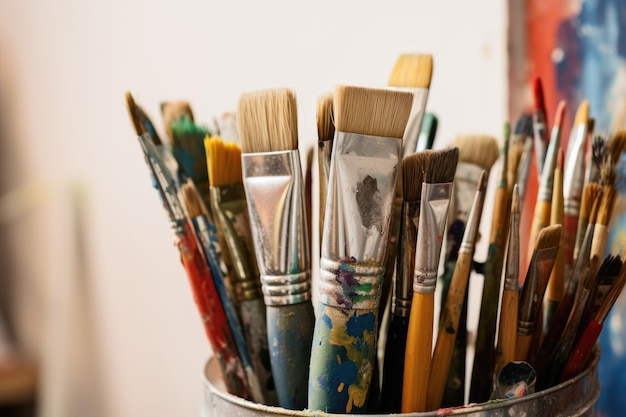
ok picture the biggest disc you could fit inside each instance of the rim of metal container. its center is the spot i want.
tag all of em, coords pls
(496, 405)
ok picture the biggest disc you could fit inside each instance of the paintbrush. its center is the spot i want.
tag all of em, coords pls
(598, 153)
(556, 283)
(229, 208)
(507, 334)
(520, 154)
(393, 371)
(540, 123)
(366, 153)
(203, 288)
(272, 178)
(534, 288)
(476, 153)
(616, 146)
(484, 358)
(589, 196)
(325, 133)
(428, 132)
(582, 351)
(455, 301)
(436, 194)
(573, 176)
(173, 111)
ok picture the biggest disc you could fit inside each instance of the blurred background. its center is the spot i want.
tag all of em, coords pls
(95, 307)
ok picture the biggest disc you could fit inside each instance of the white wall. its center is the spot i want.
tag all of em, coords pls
(64, 68)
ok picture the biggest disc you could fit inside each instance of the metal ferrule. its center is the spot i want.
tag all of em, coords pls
(403, 290)
(359, 205)
(574, 173)
(414, 124)
(473, 222)
(433, 214)
(538, 272)
(229, 208)
(546, 184)
(275, 196)
(511, 277)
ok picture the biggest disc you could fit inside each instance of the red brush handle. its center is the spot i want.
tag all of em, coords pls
(580, 355)
(212, 313)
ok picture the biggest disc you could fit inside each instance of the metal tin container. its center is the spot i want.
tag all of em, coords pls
(576, 397)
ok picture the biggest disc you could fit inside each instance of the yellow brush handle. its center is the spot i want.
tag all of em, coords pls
(523, 346)
(541, 219)
(507, 336)
(418, 350)
(448, 327)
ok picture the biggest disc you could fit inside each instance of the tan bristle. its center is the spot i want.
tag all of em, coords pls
(617, 144)
(173, 111)
(412, 70)
(413, 167)
(607, 173)
(325, 127)
(267, 121)
(514, 157)
(582, 113)
(590, 193)
(593, 214)
(605, 210)
(481, 150)
(191, 200)
(223, 162)
(371, 111)
(135, 114)
(549, 237)
(441, 166)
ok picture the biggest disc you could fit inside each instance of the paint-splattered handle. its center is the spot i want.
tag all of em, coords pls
(290, 334)
(581, 354)
(342, 359)
(393, 370)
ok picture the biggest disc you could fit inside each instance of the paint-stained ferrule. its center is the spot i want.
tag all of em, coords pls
(473, 222)
(359, 204)
(433, 214)
(574, 175)
(412, 130)
(403, 290)
(275, 196)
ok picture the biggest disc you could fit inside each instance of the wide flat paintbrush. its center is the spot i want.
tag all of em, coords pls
(325, 134)
(476, 153)
(534, 288)
(436, 194)
(366, 153)
(272, 178)
(507, 334)
(402, 294)
(230, 212)
(455, 301)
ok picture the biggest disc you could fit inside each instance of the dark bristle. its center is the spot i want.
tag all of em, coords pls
(599, 150)
(524, 125)
(325, 127)
(441, 166)
(611, 266)
(413, 167)
(617, 144)
(135, 116)
(191, 200)
(549, 237)
(607, 173)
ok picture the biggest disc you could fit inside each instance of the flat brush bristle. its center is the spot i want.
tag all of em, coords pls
(617, 145)
(481, 150)
(173, 111)
(441, 166)
(191, 200)
(267, 121)
(223, 162)
(412, 70)
(325, 127)
(549, 237)
(371, 111)
(413, 174)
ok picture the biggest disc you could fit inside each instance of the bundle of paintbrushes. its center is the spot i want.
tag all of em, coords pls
(388, 203)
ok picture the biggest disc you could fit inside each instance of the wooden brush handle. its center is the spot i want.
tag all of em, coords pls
(448, 327)
(342, 357)
(570, 226)
(418, 353)
(524, 343)
(507, 336)
(393, 371)
(541, 219)
(554, 331)
(582, 352)
(290, 330)
(213, 316)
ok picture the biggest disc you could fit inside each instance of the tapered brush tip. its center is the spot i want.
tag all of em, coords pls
(515, 205)
(267, 121)
(175, 110)
(617, 144)
(611, 266)
(191, 200)
(482, 182)
(135, 114)
(412, 70)
(481, 150)
(590, 193)
(524, 126)
(549, 237)
(607, 204)
(371, 111)
(560, 114)
(608, 173)
(441, 166)
(582, 114)
(538, 94)
(325, 127)
(413, 167)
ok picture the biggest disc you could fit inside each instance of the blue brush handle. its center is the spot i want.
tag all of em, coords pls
(290, 334)
(393, 371)
(342, 359)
